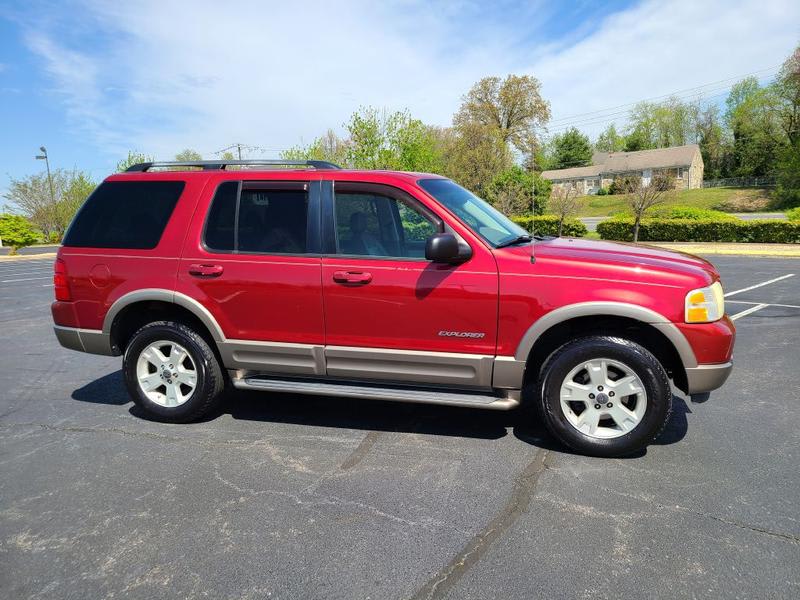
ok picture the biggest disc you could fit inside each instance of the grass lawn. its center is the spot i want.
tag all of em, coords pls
(727, 199)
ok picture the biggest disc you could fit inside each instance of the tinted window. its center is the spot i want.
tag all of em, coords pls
(124, 214)
(265, 217)
(221, 222)
(375, 225)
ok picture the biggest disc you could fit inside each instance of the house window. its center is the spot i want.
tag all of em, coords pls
(680, 173)
(592, 183)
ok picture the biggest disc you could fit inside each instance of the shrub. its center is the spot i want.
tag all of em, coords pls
(794, 214)
(621, 184)
(16, 231)
(548, 225)
(683, 211)
(702, 230)
(602, 192)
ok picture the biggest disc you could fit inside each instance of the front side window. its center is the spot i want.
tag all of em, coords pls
(373, 224)
(258, 218)
(485, 220)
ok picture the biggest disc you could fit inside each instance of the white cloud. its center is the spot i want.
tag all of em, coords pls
(171, 75)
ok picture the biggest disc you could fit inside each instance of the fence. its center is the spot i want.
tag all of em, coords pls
(740, 182)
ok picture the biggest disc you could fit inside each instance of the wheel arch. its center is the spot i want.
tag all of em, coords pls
(639, 324)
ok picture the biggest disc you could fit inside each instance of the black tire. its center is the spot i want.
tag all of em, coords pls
(208, 392)
(644, 365)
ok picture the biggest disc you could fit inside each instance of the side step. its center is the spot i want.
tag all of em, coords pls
(509, 400)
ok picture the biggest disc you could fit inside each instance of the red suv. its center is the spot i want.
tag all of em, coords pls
(302, 277)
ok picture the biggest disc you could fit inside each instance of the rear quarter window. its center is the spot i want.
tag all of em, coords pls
(125, 214)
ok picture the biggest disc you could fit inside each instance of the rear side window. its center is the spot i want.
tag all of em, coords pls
(258, 218)
(125, 214)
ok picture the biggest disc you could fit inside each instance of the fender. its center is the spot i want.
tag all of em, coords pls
(190, 304)
(616, 309)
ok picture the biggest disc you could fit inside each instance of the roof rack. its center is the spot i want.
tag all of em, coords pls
(218, 165)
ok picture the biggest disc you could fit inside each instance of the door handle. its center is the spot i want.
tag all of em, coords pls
(205, 270)
(352, 277)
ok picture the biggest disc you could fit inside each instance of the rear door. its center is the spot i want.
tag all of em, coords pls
(253, 261)
(392, 315)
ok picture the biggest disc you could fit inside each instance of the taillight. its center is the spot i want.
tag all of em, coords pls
(60, 282)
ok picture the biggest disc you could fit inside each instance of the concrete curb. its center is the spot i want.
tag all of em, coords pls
(771, 250)
(24, 257)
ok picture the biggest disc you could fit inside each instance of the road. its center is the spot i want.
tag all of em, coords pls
(299, 497)
(5, 250)
(591, 222)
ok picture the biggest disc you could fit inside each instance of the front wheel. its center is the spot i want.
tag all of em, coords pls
(604, 396)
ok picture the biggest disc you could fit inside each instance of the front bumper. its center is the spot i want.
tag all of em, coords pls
(704, 378)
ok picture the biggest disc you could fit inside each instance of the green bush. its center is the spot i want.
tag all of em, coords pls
(16, 231)
(794, 214)
(602, 192)
(702, 230)
(685, 211)
(548, 225)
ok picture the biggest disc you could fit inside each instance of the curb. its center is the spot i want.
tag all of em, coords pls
(776, 251)
(24, 257)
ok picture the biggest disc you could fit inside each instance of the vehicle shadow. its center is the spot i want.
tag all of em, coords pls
(346, 413)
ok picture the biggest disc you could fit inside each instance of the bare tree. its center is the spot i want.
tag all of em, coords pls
(641, 197)
(564, 203)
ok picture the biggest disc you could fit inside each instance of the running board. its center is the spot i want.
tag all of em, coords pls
(509, 399)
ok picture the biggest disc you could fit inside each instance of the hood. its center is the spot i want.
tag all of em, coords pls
(619, 254)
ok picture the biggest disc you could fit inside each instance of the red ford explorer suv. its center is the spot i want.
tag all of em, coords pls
(302, 277)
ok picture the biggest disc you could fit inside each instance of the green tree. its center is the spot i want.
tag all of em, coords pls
(609, 140)
(50, 213)
(188, 155)
(329, 147)
(714, 146)
(474, 154)
(513, 107)
(787, 93)
(571, 149)
(133, 158)
(512, 191)
(758, 139)
(16, 231)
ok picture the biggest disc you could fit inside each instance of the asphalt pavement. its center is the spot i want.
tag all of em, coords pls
(309, 497)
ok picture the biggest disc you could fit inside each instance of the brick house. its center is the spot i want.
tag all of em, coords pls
(683, 163)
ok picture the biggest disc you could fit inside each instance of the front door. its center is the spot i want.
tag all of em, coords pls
(253, 265)
(392, 315)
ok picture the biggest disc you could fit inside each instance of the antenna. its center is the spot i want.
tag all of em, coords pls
(533, 198)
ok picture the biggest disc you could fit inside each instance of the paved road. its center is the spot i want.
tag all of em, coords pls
(292, 497)
(4, 250)
(591, 222)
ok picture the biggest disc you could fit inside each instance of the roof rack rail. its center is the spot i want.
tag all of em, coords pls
(218, 165)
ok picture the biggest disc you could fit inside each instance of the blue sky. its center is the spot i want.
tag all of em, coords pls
(92, 79)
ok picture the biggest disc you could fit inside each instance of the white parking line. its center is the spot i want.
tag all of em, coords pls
(770, 304)
(748, 311)
(14, 273)
(24, 279)
(758, 285)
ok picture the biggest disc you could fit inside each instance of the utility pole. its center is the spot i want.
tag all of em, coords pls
(43, 156)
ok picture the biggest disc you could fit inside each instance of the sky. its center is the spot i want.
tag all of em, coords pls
(91, 80)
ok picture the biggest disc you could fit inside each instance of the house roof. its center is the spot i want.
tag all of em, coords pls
(623, 162)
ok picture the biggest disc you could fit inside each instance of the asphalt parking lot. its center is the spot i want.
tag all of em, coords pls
(298, 497)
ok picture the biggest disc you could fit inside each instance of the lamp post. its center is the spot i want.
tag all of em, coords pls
(43, 156)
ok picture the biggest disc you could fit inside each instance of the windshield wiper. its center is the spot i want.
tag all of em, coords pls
(520, 239)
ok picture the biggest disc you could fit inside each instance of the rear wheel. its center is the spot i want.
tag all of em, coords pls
(172, 373)
(605, 396)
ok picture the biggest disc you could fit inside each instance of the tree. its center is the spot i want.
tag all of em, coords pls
(512, 106)
(473, 155)
(757, 135)
(512, 191)
(16, 231)
(662, 124)
(133, 158)
(787, 93)
(609, 140)
(188, 155)
(714, 147)
(564, 203)
(641, 197)
(51, 214)
(329, 147)
(571, 149)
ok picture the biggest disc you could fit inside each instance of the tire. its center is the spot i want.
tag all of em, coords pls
(566, 382)
(188, 390)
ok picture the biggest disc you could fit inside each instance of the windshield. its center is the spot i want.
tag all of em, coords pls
(485, 220)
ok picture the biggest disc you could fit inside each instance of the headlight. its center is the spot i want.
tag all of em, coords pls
(705, 304)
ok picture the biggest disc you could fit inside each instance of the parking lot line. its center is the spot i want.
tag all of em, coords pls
(748, 311)
(758, 285)
(770, 304)
(23, 279)
(37, 272)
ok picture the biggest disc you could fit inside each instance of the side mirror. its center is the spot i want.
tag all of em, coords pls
(443, 248)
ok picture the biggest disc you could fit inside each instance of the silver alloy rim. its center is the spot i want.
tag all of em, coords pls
(603, 398)
(166, 373)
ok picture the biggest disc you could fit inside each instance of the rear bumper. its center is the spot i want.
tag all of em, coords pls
(92, 341)
(704, 378)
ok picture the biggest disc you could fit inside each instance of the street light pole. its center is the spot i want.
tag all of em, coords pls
(43, 156)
